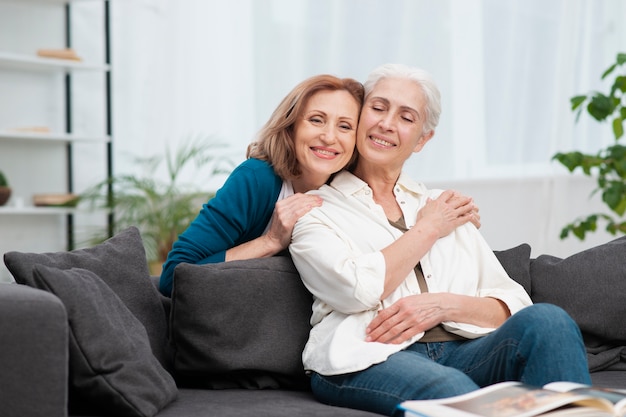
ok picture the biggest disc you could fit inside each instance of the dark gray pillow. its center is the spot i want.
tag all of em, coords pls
(589, 285)
(516, 263)
(111, 364)
(240, 324)
(121, 263)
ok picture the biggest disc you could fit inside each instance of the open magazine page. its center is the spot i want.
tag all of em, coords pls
(615, 396)
(508, 399)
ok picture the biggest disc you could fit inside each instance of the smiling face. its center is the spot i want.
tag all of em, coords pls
(325, 135)
(391, 124)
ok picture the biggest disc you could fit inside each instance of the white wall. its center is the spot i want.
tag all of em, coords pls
(533, 211)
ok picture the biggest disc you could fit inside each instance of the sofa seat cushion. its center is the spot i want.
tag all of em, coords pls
(121, 263)
(253, 403)
(111, 365)
(240, 324)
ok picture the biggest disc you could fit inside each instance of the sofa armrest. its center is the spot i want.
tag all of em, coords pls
(33, 353)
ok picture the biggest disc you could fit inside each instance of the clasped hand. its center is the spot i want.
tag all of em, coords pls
(407, 317)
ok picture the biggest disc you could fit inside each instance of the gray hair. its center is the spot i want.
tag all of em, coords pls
(423, 79)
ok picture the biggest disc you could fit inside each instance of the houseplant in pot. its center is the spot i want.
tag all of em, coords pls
(160, 208)
(5, 190)
(608, 166)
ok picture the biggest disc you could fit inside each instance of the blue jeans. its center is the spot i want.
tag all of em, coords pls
(539, 344)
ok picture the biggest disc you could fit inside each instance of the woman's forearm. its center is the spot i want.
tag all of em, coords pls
(261, 247)
(478, 311)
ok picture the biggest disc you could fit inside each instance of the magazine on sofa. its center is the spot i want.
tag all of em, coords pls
(514, 399)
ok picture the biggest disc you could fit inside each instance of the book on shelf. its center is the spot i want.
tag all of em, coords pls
(515, 399)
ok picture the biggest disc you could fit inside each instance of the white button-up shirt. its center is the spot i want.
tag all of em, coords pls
(337, 250)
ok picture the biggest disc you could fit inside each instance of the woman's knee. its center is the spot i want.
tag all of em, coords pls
(548, 320)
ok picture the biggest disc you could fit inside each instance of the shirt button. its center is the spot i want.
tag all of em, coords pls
(367, 192)
(402, 202)
(429, 276)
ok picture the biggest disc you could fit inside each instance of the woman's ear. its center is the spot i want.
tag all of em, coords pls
(423, 140)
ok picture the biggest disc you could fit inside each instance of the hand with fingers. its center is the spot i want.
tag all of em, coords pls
(459, 200)
(406, 318)
(447, 212)
(286, 213)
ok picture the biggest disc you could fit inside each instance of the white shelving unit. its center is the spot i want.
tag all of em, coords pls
(42, 91)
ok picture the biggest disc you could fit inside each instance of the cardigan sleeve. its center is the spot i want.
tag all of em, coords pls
(239, 212)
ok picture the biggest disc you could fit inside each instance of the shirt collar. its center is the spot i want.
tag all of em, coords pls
(348, 184)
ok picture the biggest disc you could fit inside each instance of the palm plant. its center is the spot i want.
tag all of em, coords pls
(161, 210)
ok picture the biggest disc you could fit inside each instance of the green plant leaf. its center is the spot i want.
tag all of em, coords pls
(621, 58)
(608, 71)
(600, 106)
(571, 160)
(614, 196)
(619, 84)
(577, 101)
(618, 128)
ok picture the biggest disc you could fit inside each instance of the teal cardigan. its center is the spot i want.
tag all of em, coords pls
(239, 212)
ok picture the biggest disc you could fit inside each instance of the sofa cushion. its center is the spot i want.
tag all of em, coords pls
(121, 263)
(240, 324)
(590, 286)
(516, 263)
(111, 364)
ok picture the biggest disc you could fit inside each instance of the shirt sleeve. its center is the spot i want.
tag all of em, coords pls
(238, 213)
(333, 269)
(468, 266)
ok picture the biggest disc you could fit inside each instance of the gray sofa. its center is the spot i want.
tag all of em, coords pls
(87, 333)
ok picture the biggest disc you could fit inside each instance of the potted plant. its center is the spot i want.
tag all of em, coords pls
(160, 209)
(608, 166)
(5, 190)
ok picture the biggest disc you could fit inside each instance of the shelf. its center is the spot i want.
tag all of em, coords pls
(6, 136)
(45, 1)
(15, 61)
(32, 210)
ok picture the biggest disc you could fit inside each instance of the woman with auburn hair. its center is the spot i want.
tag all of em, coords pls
(309, 137)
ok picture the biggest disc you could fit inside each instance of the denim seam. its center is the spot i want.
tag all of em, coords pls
(505, 344)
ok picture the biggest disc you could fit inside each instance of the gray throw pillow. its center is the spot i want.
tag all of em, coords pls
(516, 263)
(589, 285)
(240, 324)
(111, 364)
(121, 263)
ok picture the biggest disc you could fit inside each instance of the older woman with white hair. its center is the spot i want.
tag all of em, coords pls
(410, 302)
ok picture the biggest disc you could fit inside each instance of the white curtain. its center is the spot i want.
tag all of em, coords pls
(506, 70)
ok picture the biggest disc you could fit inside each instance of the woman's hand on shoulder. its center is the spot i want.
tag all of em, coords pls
(447, 212)
(459, 200)
(286, 213)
